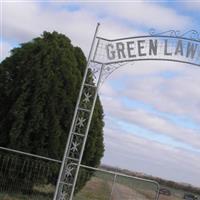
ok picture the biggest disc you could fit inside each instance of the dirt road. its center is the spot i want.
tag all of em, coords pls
(121, 192)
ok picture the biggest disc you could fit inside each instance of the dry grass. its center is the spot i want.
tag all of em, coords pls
(40, 192)
(95, 189)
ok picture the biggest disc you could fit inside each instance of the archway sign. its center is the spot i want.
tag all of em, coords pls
(106, 56)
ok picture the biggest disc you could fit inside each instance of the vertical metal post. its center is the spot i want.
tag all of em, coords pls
(87, 130)
(66, 181)
(158, 193)
(113, 185)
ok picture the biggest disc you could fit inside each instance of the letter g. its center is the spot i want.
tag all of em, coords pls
(110, 52)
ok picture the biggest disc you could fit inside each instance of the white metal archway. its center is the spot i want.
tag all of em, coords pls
(106, 56)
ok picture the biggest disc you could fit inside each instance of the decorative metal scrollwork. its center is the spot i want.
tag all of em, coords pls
(191, 34)
(106, 72)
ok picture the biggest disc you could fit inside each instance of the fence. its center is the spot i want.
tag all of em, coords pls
(25, 176)
(106, 185)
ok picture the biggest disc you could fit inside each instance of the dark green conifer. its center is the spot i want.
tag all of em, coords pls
(39, 85)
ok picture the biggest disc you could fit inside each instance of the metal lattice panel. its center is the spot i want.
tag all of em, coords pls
(79, 131)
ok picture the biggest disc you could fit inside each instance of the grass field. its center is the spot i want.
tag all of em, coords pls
(96, 188)
(100, 187)
(40, 192)
(11, 196)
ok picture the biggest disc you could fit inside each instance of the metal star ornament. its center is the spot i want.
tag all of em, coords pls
(74, 146)
(87, 97)
(81, 121)
(68, 171)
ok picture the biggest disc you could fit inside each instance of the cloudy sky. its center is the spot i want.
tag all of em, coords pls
(152, 118)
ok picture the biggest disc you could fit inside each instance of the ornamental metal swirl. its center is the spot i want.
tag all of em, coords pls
(191, 34)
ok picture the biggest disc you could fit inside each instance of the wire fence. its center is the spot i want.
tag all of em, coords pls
(25, 176)
(106, 185)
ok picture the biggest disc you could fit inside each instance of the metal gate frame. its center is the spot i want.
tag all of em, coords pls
(99, 71)
(114, 181)
(78, 133)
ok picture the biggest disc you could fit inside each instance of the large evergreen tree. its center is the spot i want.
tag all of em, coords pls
(39, 85)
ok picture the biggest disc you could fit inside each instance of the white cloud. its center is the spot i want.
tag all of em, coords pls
(5, 47)
(147, 14)
(23, 21)
(192, 5)
(128, 151)
(178, 96)
(30, 20)
(151, 122)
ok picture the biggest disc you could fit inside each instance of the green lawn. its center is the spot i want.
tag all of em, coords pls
(5, 196)
(40, 192)
(95, 189)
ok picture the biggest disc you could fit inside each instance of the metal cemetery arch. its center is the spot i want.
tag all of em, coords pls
(105, 56)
